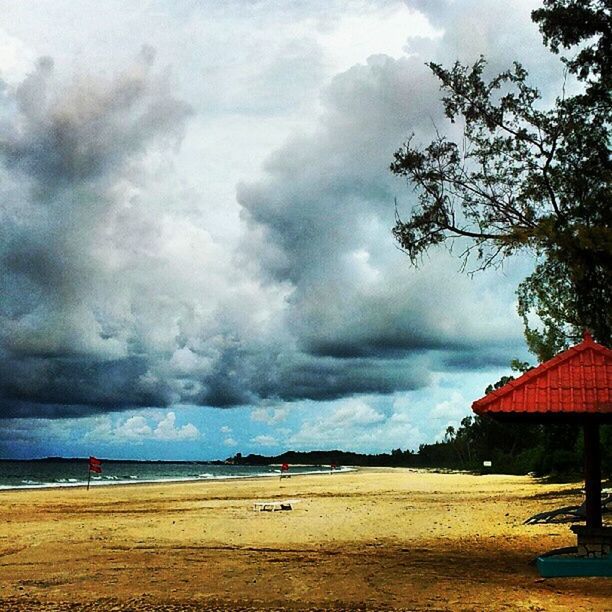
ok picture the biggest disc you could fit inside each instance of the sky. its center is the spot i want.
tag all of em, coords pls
(196, 256)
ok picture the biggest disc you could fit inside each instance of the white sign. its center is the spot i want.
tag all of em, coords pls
(487, 463)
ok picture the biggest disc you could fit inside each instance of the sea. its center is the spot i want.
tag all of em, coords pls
(50, 473)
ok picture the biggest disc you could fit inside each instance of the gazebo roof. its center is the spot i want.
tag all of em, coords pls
(576, 383)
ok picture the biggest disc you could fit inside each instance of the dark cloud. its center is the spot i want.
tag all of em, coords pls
(115, 294)
(65, 150)
(331, 378)
(78, 380)
(90, 131)
(16, 409)
(289, 376)
(322, 219)
(80, 339)
(479, 358)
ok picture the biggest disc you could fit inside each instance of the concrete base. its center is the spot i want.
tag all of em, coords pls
(593, 543)
(557, 566)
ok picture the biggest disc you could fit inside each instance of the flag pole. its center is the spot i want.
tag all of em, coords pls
(95, 465)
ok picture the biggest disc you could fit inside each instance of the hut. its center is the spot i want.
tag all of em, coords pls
(573, 387)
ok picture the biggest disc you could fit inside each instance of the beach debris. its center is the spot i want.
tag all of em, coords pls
(274, 506)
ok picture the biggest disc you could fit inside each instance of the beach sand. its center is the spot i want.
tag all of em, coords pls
(371, 539)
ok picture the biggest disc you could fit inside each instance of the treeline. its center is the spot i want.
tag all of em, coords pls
(516, 448)
(512, 448)
(337, 457)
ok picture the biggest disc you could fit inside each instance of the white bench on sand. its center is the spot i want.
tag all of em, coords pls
(273, 506)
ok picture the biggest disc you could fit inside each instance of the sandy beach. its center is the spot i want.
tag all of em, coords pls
(371, 539)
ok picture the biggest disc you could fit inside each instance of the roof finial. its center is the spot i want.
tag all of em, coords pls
(586, 336)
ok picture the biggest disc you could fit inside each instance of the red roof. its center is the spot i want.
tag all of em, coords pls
(575, 382)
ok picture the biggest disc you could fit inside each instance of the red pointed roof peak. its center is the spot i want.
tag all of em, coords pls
(576, 381)
(586, 336)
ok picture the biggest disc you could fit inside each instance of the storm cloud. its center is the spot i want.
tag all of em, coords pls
(124, 286)
(114, 299)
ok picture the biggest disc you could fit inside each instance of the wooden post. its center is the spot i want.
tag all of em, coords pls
(592, 475)
(88, 478)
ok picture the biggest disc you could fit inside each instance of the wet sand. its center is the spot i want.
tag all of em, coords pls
(372, 539)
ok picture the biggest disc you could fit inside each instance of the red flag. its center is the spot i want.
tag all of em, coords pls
(95, 465)
(285, 467)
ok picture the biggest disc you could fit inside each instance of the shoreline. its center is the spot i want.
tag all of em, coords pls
(167, 481)
(376, 538)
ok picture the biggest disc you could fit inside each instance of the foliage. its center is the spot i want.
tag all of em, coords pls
(504, 380)
(568, 23)
(525, 178)
(513, 448)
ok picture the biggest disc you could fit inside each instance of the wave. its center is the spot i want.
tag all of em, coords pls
(110, 480)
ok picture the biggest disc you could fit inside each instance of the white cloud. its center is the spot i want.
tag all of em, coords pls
(452, 408)
(230, 442)
(365, 30)
(264, 440)
(16, 58)
(167, 430)
(355, 412)
(356, 425)
(271, 416)
(134, 429)
(450, 412)
(140, 428)
(225, 429)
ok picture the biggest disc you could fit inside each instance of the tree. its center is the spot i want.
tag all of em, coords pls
(567, 23)
(527, 179)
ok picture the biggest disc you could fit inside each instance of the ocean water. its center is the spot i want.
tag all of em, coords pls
(72, 473)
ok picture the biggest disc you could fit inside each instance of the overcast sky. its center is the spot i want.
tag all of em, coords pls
(195, 226)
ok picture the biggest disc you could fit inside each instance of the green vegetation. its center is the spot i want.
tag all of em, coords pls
(516, 448)
(525, 178)
(513, 448)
